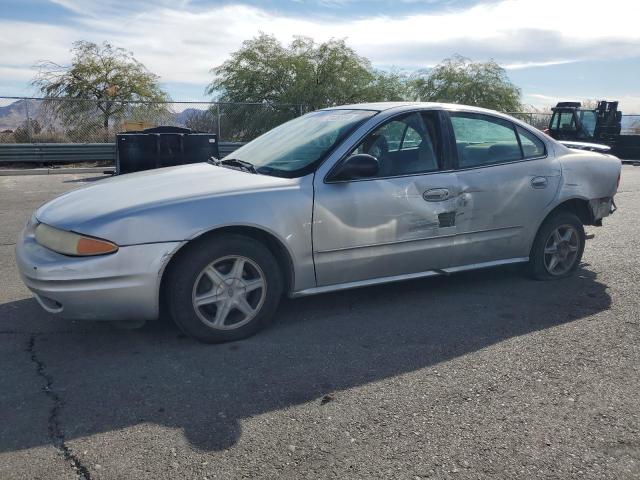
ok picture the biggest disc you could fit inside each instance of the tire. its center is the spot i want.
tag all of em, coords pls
(217, 273)
(569, 240)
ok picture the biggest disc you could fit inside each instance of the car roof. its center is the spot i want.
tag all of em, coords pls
(377, 106)
(408, 106)
(382, 106)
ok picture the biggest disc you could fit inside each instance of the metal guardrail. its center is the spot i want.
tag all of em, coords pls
(74, 152)
(57, 152)
(225, 148)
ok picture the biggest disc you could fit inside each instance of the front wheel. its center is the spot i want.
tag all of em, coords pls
(224, 288)
(558, 247)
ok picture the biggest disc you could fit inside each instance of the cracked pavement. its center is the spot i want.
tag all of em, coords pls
(479, 375)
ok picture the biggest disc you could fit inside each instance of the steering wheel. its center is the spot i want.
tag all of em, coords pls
(377, 146)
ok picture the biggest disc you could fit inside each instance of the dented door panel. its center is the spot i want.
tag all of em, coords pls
(499, 208)
(383, 227)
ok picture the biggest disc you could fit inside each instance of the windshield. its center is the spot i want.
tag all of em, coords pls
(293, 148)
(588, 120)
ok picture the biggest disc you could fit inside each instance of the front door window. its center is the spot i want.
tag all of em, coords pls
(407, 145)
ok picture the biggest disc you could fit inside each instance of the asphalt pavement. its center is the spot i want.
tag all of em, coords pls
(485, 374)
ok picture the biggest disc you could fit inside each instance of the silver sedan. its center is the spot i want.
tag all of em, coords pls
(339, 198)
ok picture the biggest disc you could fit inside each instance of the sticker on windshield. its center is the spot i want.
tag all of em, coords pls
(340, 118)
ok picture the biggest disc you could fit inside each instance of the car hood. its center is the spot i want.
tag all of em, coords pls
(133, 193)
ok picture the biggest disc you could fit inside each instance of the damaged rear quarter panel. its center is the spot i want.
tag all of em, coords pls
(589, 176)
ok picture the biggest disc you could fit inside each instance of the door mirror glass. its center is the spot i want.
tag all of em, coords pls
(357, 166)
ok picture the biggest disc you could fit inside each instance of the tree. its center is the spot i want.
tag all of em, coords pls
(589, 104)
(305, 72)
(459, 80)
(25, 132)
(99, 85)
(200, 120)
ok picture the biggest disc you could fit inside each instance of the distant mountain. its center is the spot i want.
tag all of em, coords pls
(188, 113)
(14, 114)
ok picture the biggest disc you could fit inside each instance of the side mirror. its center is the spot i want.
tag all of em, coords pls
(357, 166)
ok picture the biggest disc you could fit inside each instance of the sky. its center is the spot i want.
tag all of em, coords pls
(552, 49)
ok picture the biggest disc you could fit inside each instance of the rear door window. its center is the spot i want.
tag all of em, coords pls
(484, 140)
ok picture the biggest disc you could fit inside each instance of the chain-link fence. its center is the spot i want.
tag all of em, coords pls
(55, 120)
(37, 120)
(630, 122)
(539, 120)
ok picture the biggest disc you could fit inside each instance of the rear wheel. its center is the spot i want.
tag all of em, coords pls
(224, 288)
(558, 247)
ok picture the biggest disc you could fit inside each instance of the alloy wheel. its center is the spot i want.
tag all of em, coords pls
(229, 292)
(561, 250)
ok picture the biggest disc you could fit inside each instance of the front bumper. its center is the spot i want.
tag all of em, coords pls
(120, 286)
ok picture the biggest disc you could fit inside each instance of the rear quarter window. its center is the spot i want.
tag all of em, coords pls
(532, 146)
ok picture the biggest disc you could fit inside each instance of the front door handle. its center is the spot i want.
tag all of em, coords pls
(436, 195)
(539, 182)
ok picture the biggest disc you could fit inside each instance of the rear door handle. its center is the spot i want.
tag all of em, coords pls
(436, 195)
(539, 182)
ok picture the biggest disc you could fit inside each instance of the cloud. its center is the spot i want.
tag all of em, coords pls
(182, 41)
(96, 8)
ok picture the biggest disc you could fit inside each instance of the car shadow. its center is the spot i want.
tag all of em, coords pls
(108, 379)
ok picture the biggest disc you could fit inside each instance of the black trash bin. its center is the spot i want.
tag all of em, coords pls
(163, 147)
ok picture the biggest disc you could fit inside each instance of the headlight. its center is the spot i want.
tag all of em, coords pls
(69, 243)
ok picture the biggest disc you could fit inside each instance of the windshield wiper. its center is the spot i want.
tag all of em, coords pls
(234, 162)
